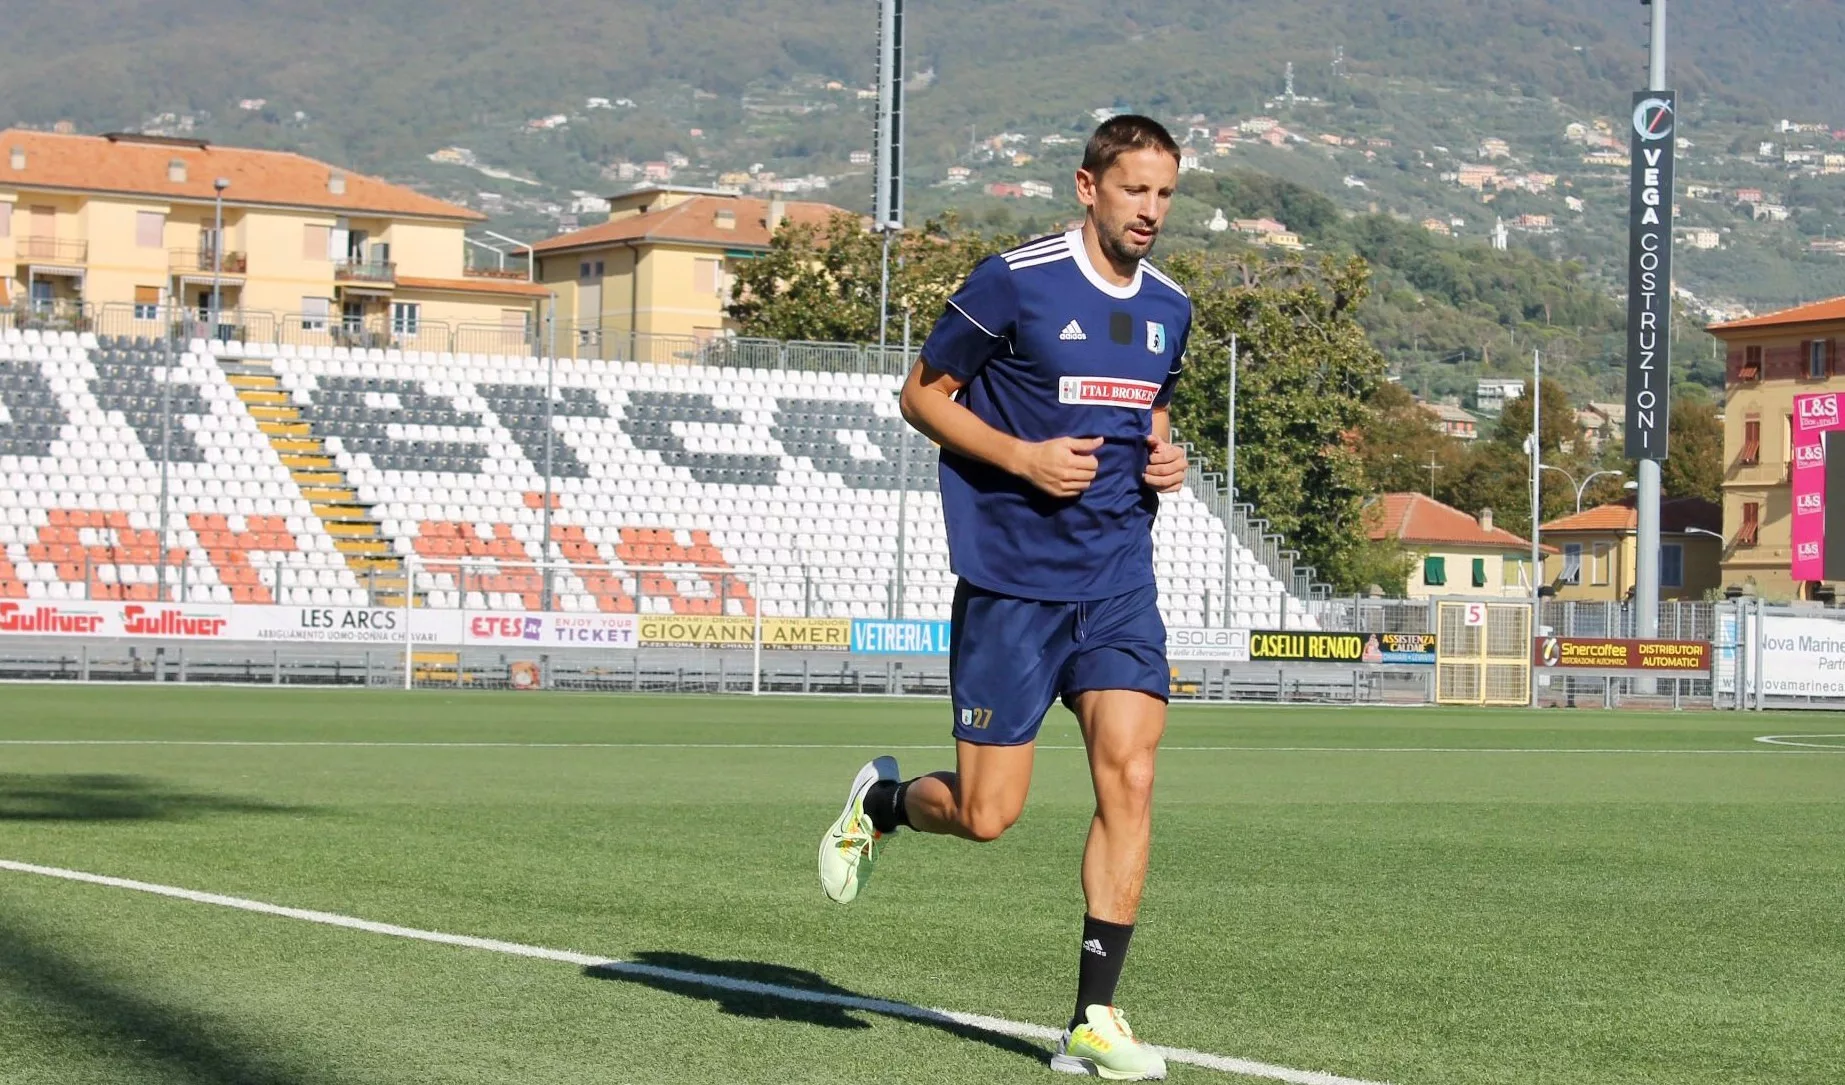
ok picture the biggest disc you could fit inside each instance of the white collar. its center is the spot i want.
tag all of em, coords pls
(1081, 252)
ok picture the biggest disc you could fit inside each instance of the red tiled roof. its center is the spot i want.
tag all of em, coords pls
(1818, 312)
(694, 221)
(139, 167)
(1417, 518)
(502, 287)
(1675, 515)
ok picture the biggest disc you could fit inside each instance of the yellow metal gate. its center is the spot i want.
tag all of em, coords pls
(1483, 653)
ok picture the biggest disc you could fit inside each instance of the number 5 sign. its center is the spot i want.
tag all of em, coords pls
(1475, 615)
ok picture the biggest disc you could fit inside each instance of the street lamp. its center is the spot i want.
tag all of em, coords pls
(217, 250)
(1581, 489)
(1718, 535)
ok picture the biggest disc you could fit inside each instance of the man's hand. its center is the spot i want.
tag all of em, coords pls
(1061, 467)
(1165, 466)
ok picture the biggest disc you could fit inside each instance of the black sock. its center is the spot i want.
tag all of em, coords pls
(884, 805)
(1105, 947)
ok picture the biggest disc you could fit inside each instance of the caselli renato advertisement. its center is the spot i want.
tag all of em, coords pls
(1813, 416)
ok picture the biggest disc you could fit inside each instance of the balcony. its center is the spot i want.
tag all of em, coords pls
(55, 250)
(199, 261)
(364, 271)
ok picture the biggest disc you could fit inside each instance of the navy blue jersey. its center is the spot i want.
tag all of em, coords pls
(1048, 348)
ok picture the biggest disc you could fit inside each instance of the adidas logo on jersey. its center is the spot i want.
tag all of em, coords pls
(1094, 945)
(1072, 330)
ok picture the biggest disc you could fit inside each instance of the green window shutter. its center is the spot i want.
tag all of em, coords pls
(1479, 572)
(1435, 571)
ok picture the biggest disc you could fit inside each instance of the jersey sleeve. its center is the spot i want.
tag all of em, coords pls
(979, 322)
(1171, 383)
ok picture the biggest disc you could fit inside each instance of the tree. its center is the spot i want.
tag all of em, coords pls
(1694, 464)
(1305, 374)
(1398, 440)
(822, 283)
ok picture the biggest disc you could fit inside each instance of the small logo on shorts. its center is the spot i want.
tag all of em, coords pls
(977, 718)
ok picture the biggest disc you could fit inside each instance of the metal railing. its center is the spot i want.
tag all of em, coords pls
(364, 271)
(229, 263)
(62, 250)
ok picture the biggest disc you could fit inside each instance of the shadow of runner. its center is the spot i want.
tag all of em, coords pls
(27, 797)
(778, 993)
(148, 1040)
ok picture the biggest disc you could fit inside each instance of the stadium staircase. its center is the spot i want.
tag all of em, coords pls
(356, 535)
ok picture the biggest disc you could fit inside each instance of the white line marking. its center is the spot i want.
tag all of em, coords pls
(1789, 740)
(363, 745)
(1000, 1025)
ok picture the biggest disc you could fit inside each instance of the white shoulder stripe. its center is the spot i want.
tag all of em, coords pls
(1036, 248)
(1165, 278)
(970, 319)
(1039, 260)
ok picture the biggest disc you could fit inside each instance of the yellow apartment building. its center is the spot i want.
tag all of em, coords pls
(663, 263)
(108, 229)
(1772, 359)
(1454, 553)
(1600, 547)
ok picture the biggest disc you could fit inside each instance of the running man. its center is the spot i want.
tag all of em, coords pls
(1046, 382)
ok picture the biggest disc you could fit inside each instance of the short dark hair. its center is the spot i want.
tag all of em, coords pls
(1117, 136)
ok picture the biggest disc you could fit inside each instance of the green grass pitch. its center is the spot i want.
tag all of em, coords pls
(1391, 895)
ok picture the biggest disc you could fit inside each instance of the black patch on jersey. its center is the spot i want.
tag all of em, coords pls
(1121, 327)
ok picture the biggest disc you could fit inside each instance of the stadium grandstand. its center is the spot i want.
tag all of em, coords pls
(323, 475)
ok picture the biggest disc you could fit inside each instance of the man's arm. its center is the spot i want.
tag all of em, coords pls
(1062, 467)
(1165, 461)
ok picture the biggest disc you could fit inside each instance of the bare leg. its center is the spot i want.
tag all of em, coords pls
(1122, 730)
(980, 800)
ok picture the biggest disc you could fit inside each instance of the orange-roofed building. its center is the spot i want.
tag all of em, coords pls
(1600, 549)
(1772, 359)
(105, 231)
(1455, 554)
(664, 262)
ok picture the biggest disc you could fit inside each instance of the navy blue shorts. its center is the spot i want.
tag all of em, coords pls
(1008, 658)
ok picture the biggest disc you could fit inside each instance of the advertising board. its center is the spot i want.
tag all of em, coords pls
(97, 619)
(1802, 657)
(1619, 654)
(823, 634)
(343, 625)
(534, 629)
(1222, 645)
(1302, 647)
(875, 637)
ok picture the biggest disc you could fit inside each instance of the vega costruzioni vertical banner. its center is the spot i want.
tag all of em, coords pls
(1649, 274)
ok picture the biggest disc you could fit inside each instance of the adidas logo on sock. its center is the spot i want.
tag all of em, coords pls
(1072, 330)
(1094, 945)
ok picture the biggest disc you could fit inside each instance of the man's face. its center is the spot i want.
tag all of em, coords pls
(1130, 201)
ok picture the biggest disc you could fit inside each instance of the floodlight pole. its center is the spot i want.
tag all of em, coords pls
(1230, 481)
(1646, 568)
(550, 428)
(1537, 473)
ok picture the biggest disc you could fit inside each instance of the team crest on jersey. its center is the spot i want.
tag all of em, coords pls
(1156, 337)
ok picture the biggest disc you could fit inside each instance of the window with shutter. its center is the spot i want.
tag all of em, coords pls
(1434, 571)
(150, 229)
(315, 242)
(147, 303)
(1752, 443)
(1479, 572)
(1572, 563)
(1751, 368)
(1816, 358)
(1751, 524)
